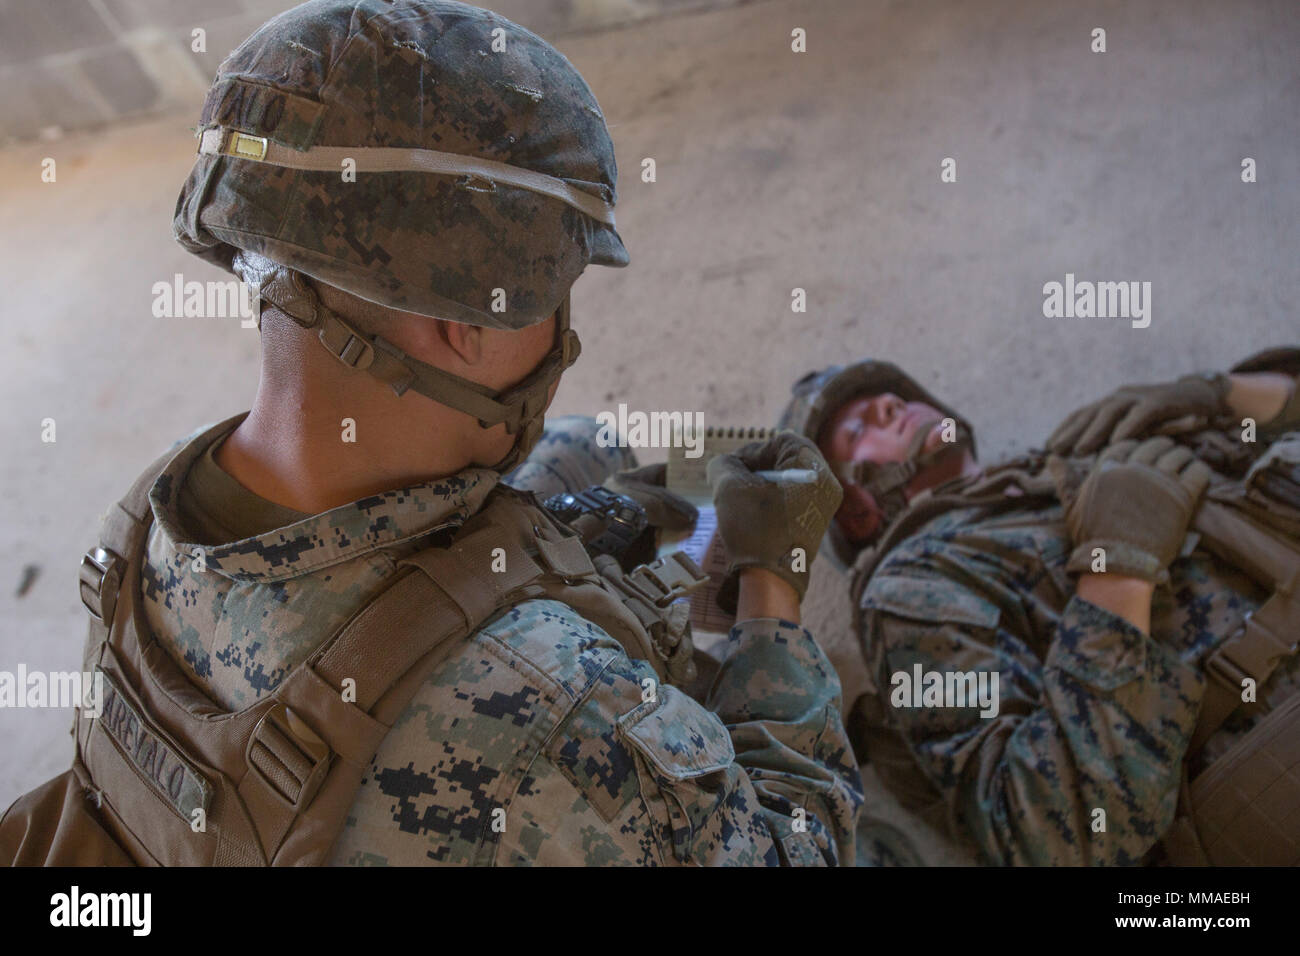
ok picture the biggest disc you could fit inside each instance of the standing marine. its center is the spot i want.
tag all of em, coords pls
(329, 632)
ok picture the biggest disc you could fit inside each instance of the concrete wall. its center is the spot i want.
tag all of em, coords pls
(78, 64)
(775, 170)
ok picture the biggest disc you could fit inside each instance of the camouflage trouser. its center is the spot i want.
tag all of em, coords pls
(568, 458)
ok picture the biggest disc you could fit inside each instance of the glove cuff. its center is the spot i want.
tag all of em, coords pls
(1220, 384)
(1122, 558)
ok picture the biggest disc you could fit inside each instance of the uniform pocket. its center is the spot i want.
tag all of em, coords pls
(933, 600)
(689, 777)
(677, 735)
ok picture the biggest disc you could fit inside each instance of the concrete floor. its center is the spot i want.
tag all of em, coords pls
(775, 170)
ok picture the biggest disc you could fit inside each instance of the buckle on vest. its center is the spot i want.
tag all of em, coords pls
(664, 580)
(1219, 666)
(288, 756)
(100, 572)
(1254, 651)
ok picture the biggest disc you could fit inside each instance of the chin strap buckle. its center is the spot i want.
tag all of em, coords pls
(348, 345)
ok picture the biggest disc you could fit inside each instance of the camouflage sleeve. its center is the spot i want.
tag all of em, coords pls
(779, 697)
(542, 743)
(1078, 761)
(640, 773)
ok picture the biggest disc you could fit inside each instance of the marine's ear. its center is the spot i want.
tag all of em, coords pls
(463, 339)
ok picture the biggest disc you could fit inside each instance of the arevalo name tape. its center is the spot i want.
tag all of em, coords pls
(174, 777)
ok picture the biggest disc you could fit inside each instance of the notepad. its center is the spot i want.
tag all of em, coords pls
(688, 476)
(705, 549)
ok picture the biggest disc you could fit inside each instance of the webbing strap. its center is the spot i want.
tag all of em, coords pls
(1243, 544)
(566, 557)
(520, 408)
(407, 621)
(400, 371)
(478, 571)
(121, 536)
(223, 141)
(1270, 634)
(448, 593)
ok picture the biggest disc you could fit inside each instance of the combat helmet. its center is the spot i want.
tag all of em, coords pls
(424, 155)
(815, 398)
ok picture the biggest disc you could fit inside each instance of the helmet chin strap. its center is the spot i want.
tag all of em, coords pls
(887, 482)
(520, 408)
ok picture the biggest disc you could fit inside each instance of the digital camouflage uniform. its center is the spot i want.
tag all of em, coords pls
(1093, 714)
(539, 714)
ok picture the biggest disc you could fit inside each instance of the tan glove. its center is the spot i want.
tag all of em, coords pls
(1135, 504)
(773, 520)
(663, 508)
(1130, 412)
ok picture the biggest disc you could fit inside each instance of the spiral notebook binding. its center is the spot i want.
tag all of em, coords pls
(750, 433)
(689, 475)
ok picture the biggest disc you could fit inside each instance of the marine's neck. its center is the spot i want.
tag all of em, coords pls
(304, 448)
(942, 471)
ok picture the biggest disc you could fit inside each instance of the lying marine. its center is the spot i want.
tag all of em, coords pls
(1132, 590)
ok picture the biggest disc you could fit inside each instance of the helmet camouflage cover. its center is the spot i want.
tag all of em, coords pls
(482, 160)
